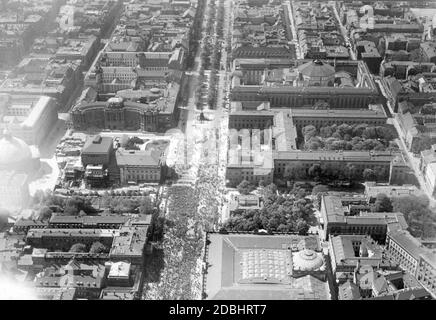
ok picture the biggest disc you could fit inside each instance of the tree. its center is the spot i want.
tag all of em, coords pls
(422, 143)
(308, 132)
(315, 171)
(314, 143)
(98, 247)
(76, 204)
(245, 187)
(146, 206)
(369, 175)
(78, 247)
(295, 171)
(302, 227)
(383, 203)
(45, 213)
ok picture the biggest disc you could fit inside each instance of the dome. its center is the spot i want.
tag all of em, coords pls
(317, 69)
(13, 150)
(307, 260)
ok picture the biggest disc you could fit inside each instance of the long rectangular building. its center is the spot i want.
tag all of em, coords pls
(325, 117)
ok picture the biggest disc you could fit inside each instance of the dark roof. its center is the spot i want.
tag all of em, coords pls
(349, 291)
(97, 144)
(317, 68)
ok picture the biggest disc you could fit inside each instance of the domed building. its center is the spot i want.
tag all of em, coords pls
(317, 73)
(16, 155)
(308, 262)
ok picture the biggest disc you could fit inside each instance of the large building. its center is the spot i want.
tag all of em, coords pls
(264, 267)
(139, 165)
(146, 110)
(350, 251)
(87, 279)
(302, 117)
(350, 215)
(413, 257)
(130, 245)
(63, 239)
(88, 222)
(97, 150)
(341, 84)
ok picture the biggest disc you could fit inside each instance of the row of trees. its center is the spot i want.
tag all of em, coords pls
(96, 247)
(333, 172)
(356, 137)
(47, 203)
(280, 213)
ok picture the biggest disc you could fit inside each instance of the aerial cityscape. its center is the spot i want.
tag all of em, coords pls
(217, 150)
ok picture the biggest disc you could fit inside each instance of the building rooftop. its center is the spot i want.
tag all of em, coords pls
(150, 158)
(88, 220)
(67, 233)
(97, 145)
(247, 266)
(338, 113)
(130, 241)
(409, 243)
(372, 189)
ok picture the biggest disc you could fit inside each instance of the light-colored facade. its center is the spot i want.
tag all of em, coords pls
(30, 119)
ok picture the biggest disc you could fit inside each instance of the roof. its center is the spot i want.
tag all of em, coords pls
(30, 223)
(42, 104)
(129, 242)
(97, 145)
(343, 250)
(248, 266)
(409, 243)
(337, 113)
(349, 291)
(88, 220)
(119, 269)
(372, 190)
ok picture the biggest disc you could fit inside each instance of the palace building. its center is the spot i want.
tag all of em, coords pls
(150, 110)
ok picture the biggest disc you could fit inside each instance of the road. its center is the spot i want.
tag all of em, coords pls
(290, 7)
(344, 32)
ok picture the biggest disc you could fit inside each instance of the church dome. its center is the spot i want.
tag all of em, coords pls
(307, 260)
(13, 150)
(317, 69)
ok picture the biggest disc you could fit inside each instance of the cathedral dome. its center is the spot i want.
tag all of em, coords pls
(13, 151)
(307, 260)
